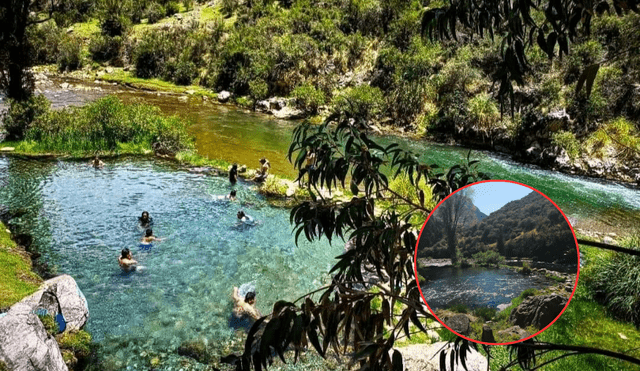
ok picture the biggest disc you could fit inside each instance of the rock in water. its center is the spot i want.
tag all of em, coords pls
(538, 311)
(25, 344)
(427, 357)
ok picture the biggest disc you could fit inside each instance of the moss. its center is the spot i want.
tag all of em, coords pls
(16, 278)
(79, 342)
(196, 350)
(50, 324)
(126, 78)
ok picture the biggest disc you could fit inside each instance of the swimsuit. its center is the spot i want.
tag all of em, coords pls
(240, 322)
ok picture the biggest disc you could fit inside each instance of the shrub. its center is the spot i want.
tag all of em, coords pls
(526, 268)
(115, 26)
(527, 293)
(107, 123)
(79, 342)
(486, 313)
(45, 40)
(483, 112)
(105, 48)
(620, 135)
(362, 102)
(49, 323)
(69, 58)
(188, 4)
(459, 308)
(488, 258)
(154, 13)
(308, 97)
(567, 141)
(21, 115)
(171, 8)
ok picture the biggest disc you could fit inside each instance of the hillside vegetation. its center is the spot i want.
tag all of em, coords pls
(369, 57)
(531, 227)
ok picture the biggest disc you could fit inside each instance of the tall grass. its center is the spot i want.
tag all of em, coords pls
(105, 125)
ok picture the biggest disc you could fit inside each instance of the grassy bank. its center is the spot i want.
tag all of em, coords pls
(16, 278)
(588, 323)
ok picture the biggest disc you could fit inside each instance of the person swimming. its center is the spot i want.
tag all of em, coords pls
(244, 312)
(126, 261)
(233, 174)
(145, 220)
(96, 163)
(244, 218)
(149, 237)
(231, 196)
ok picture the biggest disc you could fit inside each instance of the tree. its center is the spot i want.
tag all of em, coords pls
(454, 213)
(15, 50)
(381, 242)
(500, 243)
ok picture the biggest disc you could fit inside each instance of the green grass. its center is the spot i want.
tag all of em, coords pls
(79, 342)
(126, 78)
(16, 278)
(86, 29)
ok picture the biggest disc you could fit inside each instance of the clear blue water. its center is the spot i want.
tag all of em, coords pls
(474, 287)
(81, 218)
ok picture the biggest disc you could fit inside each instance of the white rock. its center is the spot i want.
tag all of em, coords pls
(224, 96)
(25, 344)
(7, 149)
(427, 357)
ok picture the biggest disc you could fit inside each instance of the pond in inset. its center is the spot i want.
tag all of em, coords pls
(474, 287)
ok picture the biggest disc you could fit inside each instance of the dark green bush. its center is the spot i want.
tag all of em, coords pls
(488, 258)
(487, 314)
(69, 58)
(154, 13)
(171, 8)
(105, 48)
(528, 292)
(21, 115)
(459, 308)
(45, 40)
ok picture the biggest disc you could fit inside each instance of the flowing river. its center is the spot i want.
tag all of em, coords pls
(80, 218)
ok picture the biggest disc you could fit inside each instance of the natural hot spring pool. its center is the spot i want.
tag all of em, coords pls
(81, 218)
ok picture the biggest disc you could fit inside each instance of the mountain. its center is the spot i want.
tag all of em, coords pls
(531, 227)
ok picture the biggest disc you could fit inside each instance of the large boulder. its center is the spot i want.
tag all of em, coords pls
(538, 311)
(514, 332)
(459, 323)
(26, 346)
(427, 357)
(57, 295)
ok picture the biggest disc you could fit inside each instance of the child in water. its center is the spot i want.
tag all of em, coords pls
(145, 220)
(96, 163)
(149, 237)
(244, 218)
(244, 311)
(126, 261)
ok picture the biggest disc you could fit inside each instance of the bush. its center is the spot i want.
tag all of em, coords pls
(526, 268)
(567, 141)
(616, 282)
(483, 112)
(528, 292)
(171, 8)
(488, 258)
(69, 58)
(45, 40)
(362, 102)
(154, 13)
(21, 115)
(459, 308)
(486, 313)
(308, 97)
(105, 124)
(105, 48)
(115, 26)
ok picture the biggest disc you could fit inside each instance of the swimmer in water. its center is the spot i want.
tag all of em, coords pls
(149, 237)
(126, 261)
(145, 220)
(244, 218)
(231, 196)
(244, 311)
(233, 174)
(96, 163)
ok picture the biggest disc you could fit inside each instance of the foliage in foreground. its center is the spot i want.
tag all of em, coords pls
(381, 244)
(16, 278)
(106, 124)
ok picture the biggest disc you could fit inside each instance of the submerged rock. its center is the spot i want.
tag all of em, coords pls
(538, 311)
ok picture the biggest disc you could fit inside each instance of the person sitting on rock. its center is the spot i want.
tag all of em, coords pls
(96, 163)
(233, 174)
(244, 311)
(145, 220)
(263, 172)
(125, 260)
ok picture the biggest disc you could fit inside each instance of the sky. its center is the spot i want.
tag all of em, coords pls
(491, 196)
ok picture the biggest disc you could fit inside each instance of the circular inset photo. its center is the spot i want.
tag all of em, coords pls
(497, 262)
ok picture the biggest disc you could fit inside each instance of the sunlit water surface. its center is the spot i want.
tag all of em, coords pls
(81, 218)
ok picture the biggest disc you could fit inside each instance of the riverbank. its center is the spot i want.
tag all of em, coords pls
(17, 279)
